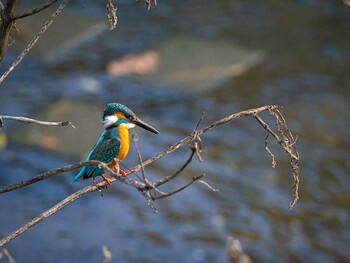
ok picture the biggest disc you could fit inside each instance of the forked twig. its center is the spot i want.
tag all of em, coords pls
(171, 177)
(34, 40)
(6, 254)
(194, 179)
(35, 10)
(287, 143)
(149, 4)
(273, 159)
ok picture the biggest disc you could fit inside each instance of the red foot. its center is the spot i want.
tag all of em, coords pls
(122, 173)
(108, 182)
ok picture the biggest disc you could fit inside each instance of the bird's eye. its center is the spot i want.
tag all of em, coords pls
(129, 117)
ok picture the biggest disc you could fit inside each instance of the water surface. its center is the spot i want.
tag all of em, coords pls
(304, 68)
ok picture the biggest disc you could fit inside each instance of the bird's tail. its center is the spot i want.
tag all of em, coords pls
(79, 176)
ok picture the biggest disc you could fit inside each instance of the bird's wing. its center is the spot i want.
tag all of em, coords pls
(105, 150)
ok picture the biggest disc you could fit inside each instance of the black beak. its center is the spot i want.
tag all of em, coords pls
(144, 125)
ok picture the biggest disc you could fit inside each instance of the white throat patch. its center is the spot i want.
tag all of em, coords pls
(129, 125)
(109, 120)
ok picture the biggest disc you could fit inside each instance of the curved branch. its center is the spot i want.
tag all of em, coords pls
(34, 40)
(194, 179)
(171, 177)
(34, 11)
(287, 143)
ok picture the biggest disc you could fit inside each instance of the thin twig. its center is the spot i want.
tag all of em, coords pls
(273, 159)
(111, 14)
(149, 4)
(287, 144)
(34, 40)
(171, 177)
(179, 189)
(197, 140)
(142, 187)
(208, 185)
(6, 254)
(47, 175)
(199, 121)
(29, 120)
(135, 139)
(34, 11)
(50, 212)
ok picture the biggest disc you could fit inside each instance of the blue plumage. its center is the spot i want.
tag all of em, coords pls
(114, 141)
(105, 150)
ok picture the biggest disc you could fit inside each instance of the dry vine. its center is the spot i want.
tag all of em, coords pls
(151, 189)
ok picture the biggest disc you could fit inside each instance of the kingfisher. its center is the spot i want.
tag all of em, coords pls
(113, 145)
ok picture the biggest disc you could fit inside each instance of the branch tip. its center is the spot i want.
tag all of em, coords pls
(208, 185)
(112, 15)
(150, 190)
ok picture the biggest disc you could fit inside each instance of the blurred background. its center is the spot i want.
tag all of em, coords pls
(168, 65)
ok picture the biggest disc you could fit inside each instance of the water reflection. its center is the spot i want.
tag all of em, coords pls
(304, 70)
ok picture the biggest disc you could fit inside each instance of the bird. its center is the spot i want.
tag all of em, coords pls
(113, 145)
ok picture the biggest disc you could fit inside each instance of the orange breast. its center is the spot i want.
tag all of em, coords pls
(125, 142)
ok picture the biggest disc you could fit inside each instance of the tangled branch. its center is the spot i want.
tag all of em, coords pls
(288, 144)
(151, 189)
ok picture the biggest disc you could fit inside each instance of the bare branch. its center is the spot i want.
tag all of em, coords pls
(6, 12)
(112, 14)
(179, 189)
(149, 4)
(6, 254)
(197, 141)
(288, 144)
(34, 11)
(135, 139)
(50, 212)
(34, 40)
(29, 120)
(273, 159)
(171, 177)
(200, 121)
(208, 185)
(47, 175)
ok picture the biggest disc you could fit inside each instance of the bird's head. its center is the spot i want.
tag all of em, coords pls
(117, 114)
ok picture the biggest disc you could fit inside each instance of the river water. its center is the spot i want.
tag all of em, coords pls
(219, 57)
